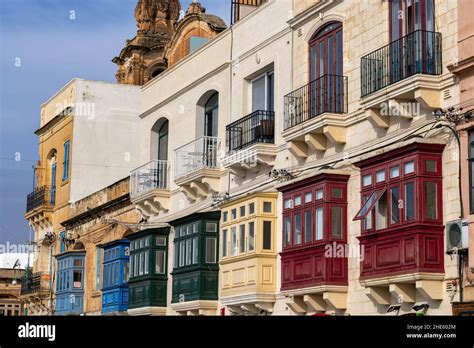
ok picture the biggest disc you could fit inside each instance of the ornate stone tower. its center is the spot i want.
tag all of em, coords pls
(142, 58)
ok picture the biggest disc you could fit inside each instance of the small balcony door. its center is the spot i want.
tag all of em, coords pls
(412, 36)
(326, 65)
(211, 118)
(161, 169)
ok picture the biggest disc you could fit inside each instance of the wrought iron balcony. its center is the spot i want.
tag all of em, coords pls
(151, 176)
(258, 127)
(419, 52)
(328, 93)
(41, 196)
(35, 283)
(241, 8)
(201, 153)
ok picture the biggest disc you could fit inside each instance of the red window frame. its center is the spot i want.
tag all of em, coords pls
(418, 177)
(326, 203)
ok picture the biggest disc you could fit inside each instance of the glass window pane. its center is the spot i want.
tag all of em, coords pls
(182, 254)
(336, 192)
(233, 241)
(77, 279)
(224, 216)
(394, 172)
(267, 207)
(258, 94)
(224, 243)
(367, 222)
(189, 252)
(189, 230)
(336, 222)
(160, 262)
(211, 250)
(297, 200)
(233, 214)
(211, 227)
(242, 239)
(369, 204)
(287, 231)
(409, 167)
(142, 263)
(267, 235)
(319, 223)
(409, 201)
(196, 227)
(288, 203)
(380, 176)
(308, 226)
(297, 229)
(160, 241)
(319, 194)
(431, 200)
(308, 197)
(137, 265)
(242, 211)
(395, 209)
(381, 212)
(196, 250)
(251, 208)
(251, 246)
(147, 261)
(176, 255)
(430, 166)
(367, 180)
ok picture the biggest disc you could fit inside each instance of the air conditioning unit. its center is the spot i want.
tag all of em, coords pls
(456, 235)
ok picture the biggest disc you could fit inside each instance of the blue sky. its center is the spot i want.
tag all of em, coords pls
(51, 49)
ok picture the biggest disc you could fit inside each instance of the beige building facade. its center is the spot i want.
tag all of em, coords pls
(299, 167)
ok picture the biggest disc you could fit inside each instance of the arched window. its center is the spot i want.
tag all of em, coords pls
(326, 51)
(326, 70)
(163, 142)
(211, 112)
(51, 177)
(159, 140)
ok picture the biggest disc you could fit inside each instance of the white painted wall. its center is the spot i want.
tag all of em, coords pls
(105, 142)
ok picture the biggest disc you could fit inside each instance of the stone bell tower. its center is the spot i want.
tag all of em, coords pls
(142, 58)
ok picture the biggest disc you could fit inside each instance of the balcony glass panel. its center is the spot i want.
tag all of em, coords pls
(153, 175)
(199, 154)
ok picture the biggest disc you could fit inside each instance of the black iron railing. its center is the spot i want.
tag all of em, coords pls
(258, 127)
(241, 8)
(419, 52)
(41, 196)
(325, 94)
(35, 283)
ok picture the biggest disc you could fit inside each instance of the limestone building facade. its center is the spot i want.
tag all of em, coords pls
(299, 167)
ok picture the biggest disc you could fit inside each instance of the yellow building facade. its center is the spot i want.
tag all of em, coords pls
(47, 204)
(249, 254)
